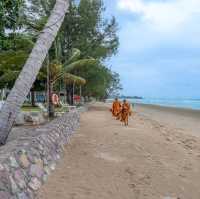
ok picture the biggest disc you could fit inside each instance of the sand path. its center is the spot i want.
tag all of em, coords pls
(105, 160)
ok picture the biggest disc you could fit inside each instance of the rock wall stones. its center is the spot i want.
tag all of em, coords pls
(34, 118)
(26, 162)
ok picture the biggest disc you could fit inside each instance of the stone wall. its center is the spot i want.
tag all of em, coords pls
(34, 118)
(25, 163)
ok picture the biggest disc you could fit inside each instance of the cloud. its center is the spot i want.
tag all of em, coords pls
(163, 15)
(159, 47)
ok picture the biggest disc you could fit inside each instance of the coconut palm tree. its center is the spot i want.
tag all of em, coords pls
(23, 84)
(64, 71)
(59, 70)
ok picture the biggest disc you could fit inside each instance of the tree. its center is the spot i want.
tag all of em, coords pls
(60, 71)
(12, 60)
(23, 84)
(86, 29)
(101, 81)
(114, 86)
(9, 14)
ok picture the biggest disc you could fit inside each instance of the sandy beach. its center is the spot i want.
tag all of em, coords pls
(156, 157)
(186, 120)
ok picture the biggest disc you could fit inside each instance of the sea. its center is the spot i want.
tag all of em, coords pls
(179, 103)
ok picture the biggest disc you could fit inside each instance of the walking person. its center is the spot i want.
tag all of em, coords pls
(125, 112)
(116, 108)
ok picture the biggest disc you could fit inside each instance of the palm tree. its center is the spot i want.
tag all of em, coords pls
(23, 84)
(64, 71)
(59, 70)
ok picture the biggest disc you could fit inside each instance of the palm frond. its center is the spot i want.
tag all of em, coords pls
(70, 78)
(78, 64)
(74, 57)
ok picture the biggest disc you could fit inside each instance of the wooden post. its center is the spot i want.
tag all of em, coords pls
(65, 94)
(80, 91)
(50, 108)
(73, 93)
(80, 94)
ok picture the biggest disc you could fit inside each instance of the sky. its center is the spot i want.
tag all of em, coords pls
(159, 52)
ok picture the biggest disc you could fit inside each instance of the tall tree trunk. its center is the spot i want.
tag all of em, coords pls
(69, 90)
(71, 95)
(50, 105)
(33, 98)
(73, 90)
(23, 84)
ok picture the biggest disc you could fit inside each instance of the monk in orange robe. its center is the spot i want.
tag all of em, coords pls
(125, 112)
(116, 108)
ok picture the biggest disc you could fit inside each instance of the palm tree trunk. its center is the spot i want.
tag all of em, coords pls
(23, 84)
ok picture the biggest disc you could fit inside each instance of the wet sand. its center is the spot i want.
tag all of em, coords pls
(155, 157)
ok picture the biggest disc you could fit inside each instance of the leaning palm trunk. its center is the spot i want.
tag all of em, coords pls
(23, 84)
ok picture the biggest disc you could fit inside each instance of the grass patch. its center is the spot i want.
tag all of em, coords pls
(30, 109)
(37, 109)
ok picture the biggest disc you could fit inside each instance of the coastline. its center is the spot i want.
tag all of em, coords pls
(178, 110)
(175, 117)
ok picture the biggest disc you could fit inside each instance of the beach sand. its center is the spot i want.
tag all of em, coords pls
(187, 120)
(156, 157)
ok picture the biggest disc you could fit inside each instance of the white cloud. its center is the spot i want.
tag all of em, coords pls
(163, 15)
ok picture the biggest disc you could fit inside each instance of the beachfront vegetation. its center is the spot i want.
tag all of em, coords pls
(73, 45)
(84, 28)
(30, 70)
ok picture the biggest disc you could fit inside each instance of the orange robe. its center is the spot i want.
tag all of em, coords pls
(125, 112)
(116, 108)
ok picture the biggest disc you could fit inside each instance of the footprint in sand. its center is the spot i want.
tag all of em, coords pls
(169, 139)
(129, 171)
(189, 144)
(144, 179)
(132, 186)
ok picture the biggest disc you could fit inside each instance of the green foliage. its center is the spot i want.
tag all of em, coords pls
(12, 61)
(79, 63)
(17, 42)
(59, 71)
(85, 28)
(100, 81)
(84, 42)
(12, 58)
(10, 13)
(115, 86)
(70, 79)
(76, 53)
